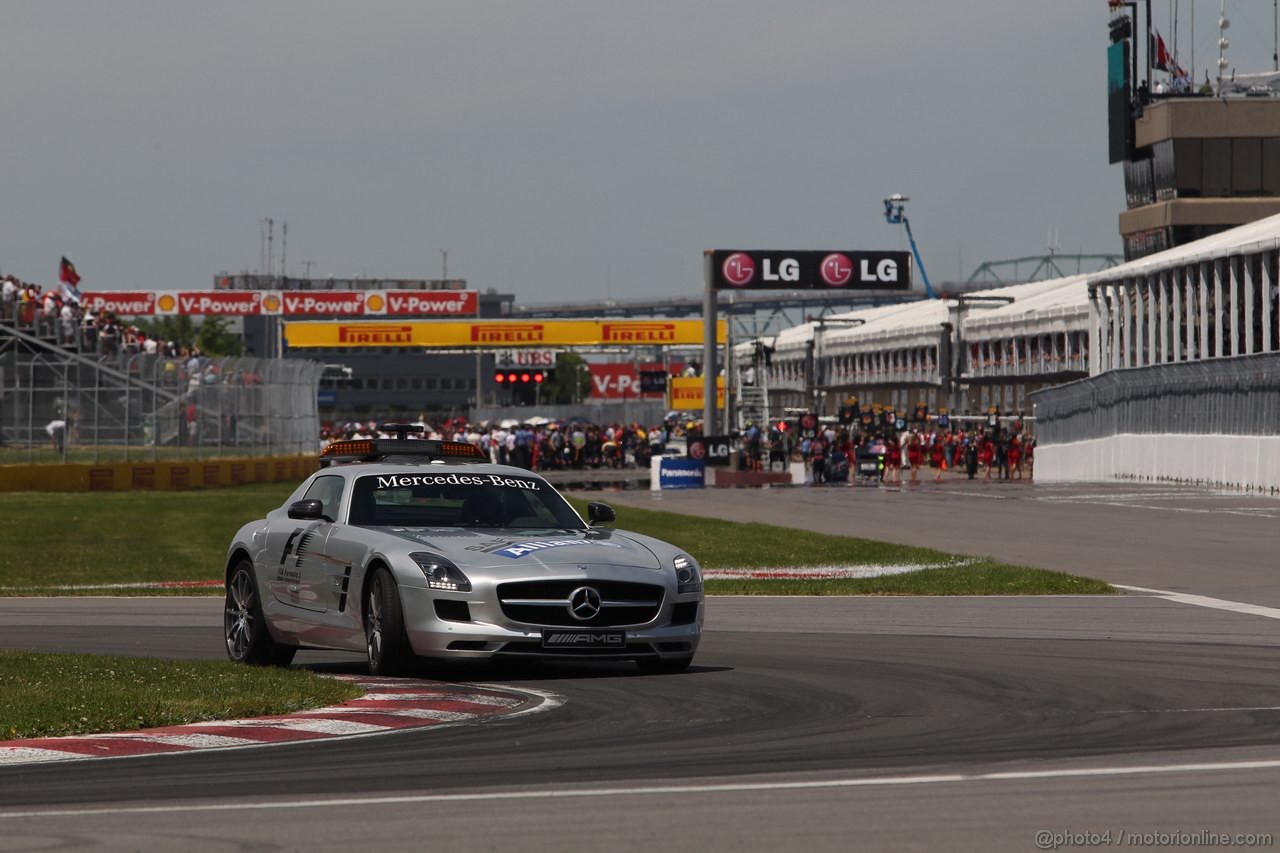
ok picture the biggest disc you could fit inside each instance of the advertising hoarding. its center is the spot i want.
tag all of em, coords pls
(846, 269)
(499, 334)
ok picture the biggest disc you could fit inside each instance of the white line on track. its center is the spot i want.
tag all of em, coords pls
(1205, 601)
(1251, 513)
(651, 790)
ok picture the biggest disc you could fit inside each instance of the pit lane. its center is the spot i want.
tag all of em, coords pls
(880, 700)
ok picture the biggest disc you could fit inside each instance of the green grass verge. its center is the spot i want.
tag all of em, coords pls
(721, 544)
(53, 540)
(978, 578)
(50, 695)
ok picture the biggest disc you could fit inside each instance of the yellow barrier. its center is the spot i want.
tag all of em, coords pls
(155, 476)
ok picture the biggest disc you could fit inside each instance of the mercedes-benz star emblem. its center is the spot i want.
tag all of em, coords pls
(584, 603)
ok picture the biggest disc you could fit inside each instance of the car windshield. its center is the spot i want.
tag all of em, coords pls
(459, 499)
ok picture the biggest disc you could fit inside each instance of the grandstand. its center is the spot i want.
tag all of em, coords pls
(66, 397)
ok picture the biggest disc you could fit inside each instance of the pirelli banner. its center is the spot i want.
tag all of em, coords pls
(687, 393)
(498, 333)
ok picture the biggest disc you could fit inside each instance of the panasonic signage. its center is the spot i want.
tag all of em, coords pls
(681, 474)
(820, 270)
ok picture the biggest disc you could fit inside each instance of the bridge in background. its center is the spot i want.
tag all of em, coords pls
(757, 314)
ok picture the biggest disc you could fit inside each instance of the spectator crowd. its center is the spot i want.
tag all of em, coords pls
(56, 315)
(838, 454)
(549, 446)
(833, 454)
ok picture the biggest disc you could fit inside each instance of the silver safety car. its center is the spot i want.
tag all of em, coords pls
(410, 548)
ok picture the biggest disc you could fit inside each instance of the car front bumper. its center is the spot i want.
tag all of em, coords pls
(490, 634)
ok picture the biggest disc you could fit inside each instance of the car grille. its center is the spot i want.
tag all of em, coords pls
(547, 602)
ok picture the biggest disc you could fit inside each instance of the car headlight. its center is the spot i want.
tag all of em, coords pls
(688, 575)
(441, 573)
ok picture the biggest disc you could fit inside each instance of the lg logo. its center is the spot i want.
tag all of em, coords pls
(836, 270)
(739, 269)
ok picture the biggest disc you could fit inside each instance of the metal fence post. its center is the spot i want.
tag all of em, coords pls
(31, 405)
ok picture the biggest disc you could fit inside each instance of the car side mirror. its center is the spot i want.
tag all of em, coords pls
(311, 510)
(598, 513)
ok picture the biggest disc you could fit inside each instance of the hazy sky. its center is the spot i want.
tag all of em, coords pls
(558, 150)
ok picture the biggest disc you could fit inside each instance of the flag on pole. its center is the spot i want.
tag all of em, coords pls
(70, 278)
(67, 272)
(1159, 53)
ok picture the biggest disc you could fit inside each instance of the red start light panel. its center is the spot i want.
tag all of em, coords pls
(524, 377)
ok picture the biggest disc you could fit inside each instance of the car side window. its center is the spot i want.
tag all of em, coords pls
(327, 490)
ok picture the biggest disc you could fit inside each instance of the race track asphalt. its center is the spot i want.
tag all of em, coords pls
(1182, 538)
(822, 724)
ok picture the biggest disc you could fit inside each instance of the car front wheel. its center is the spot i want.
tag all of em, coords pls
(245, 629)
(385, 639)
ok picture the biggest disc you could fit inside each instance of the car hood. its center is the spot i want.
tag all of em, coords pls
(489, 548)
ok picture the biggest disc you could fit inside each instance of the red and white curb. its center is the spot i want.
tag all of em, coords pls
(388, 705)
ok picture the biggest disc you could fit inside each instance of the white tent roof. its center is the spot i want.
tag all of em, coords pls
(911, 324)
(798, 337)
(1039, 307)
(1042, 308)
(1246, 239)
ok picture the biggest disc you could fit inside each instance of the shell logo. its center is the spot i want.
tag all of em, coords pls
(374, 303)
(167, 302)
(271, 303)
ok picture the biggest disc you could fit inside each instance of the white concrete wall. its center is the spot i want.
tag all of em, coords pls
(1236, 461)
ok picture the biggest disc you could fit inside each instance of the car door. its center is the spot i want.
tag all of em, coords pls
(296, 550)
(313, 560)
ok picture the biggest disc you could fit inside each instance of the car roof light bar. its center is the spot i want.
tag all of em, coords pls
(403, 449)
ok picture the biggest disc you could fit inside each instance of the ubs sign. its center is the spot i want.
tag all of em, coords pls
(831, 270)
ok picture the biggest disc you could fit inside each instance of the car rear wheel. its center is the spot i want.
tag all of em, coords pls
(657, 666)
(245, 629)
(385, 639)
